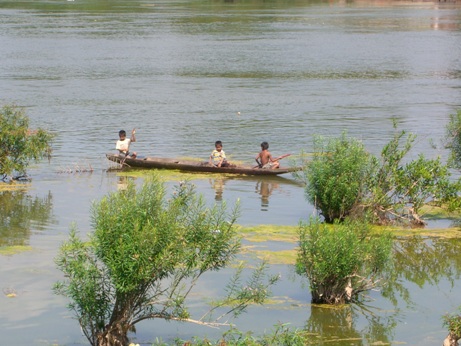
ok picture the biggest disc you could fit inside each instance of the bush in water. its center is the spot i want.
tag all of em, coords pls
(145, 256)
(20, 145)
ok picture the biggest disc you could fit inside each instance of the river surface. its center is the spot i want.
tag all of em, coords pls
(187, 73)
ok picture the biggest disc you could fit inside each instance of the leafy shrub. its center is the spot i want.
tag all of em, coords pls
(453, 323)
(336, 176)
(341, 260)
(398, 190)
(20, 145)
(453, 138)
(145, 256)
(343, 180)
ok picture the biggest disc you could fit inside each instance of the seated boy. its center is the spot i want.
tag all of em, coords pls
(218, 156)
(265, 159)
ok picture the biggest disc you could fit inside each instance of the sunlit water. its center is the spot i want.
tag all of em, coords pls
(185, 74)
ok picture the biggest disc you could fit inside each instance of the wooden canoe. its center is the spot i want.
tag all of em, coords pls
(193, 166)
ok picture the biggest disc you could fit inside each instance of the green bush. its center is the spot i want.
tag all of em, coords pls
(336, 175)
(341, 261)
(453, 139)
(398, 190)
(343, 180)
(453, 323)
(20, 145)
(145, 256)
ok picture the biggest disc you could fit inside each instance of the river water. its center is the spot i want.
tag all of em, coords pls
(187, 73)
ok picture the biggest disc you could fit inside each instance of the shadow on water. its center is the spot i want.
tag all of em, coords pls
(20, 212)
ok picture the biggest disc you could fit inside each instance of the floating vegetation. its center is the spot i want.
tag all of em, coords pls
(289, 235)
(13, 186)
(77, 168)
(449, 233)
(117, 166)
(263, 233)
(277, 257)
(14, 249)
(167, 174)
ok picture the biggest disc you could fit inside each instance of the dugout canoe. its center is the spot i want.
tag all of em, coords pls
(194, 166)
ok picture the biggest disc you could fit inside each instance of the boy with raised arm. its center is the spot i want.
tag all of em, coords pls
(123, 144)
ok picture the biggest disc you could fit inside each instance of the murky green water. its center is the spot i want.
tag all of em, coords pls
(180, 71)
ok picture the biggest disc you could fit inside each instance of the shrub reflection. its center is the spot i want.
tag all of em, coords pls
(19, 213)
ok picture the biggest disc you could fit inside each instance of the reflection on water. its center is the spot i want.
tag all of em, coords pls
(427, 260)
(19, 212)
(265, 189)
(122, 182)
(325, 321)
(218, 185)
(424, 262)
(341, 325)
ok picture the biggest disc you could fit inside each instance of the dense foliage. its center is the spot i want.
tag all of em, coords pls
(453, 139)
(342, 260)
(145, 256)
(20, 145)
(336, 175)
(344, 180)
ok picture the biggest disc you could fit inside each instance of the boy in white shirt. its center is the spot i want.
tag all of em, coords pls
(123, 144)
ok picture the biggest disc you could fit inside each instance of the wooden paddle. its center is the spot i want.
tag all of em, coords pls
(281, 157)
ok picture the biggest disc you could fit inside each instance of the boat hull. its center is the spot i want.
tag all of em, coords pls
(192, 166)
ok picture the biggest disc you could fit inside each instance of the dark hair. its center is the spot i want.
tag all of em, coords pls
(218, 143)
(122, 133)
(264, 145)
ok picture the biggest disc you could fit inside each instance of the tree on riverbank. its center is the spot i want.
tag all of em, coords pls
(19, 144)
(145, 256)
(344, 180)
